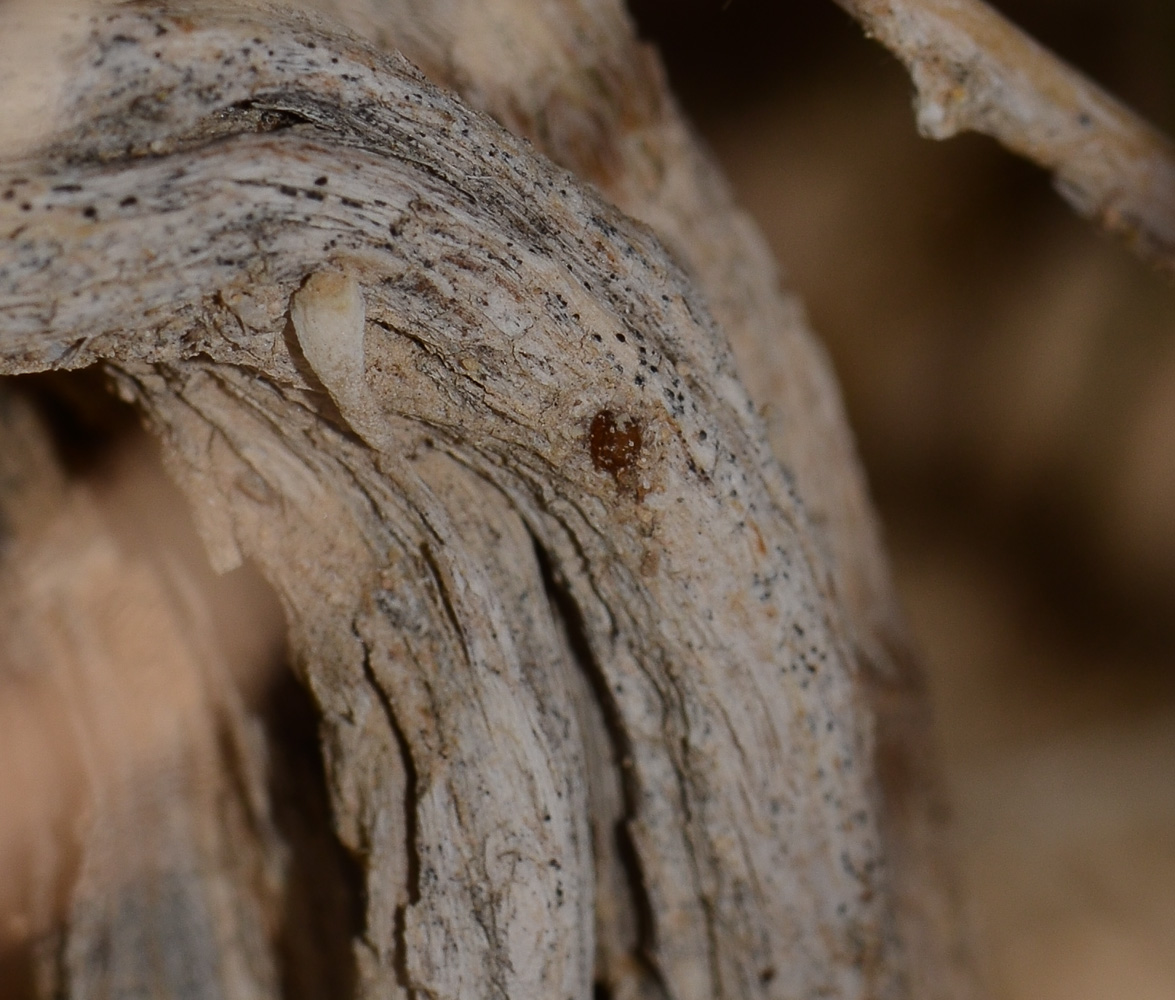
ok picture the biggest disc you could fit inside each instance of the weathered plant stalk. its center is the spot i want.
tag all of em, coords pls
(598, 677)
(973, 70)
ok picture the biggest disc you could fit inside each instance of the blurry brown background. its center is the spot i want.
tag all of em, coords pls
(1011, 378)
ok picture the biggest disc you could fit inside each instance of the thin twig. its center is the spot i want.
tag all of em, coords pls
(974, 70)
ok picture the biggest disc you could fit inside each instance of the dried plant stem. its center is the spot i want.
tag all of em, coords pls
(574, 647)
(976, 71)
(613, 696)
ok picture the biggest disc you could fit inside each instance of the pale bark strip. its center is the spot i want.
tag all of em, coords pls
(524, 329)
(975, 71)
(574, 79)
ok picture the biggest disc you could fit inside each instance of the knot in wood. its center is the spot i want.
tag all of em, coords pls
(615, 443)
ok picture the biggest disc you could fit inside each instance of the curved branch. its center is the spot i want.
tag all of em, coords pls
(404, 363)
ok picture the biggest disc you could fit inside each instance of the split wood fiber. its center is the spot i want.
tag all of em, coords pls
(612, 692)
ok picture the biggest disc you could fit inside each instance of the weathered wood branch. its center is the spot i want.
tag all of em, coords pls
(598, 678)
(973, 70)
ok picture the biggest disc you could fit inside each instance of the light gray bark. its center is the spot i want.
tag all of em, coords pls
(599, 677)
(975, 71)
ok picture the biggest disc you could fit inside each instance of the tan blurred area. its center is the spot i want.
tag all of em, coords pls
(128, 670)
(1010, 375)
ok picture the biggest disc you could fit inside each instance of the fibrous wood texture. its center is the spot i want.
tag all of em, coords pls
(598, 675)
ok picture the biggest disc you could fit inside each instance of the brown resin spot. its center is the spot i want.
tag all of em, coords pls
(615, 444)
